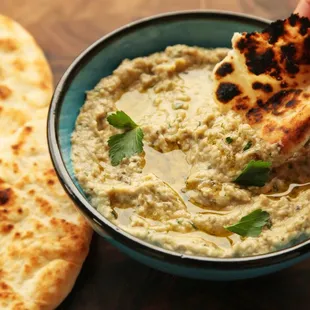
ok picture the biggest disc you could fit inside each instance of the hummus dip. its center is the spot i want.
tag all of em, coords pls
(179, 193)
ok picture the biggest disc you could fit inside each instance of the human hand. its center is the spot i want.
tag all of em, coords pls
(303, 8)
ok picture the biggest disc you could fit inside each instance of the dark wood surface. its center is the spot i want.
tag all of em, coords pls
(110, 280)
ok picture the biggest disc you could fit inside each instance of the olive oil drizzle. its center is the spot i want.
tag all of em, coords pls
(289, 190)
(172, 167)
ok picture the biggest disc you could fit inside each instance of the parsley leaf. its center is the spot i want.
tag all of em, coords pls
(125, 145)
(229, 140)
(252, 224)
(247, 146)
(193, 225)
(121, 120)
(255, 173)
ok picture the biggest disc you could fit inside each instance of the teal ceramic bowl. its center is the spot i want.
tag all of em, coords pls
(202, 28)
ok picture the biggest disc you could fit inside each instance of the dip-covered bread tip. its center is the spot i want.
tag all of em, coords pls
(266, 79)
(43, 240)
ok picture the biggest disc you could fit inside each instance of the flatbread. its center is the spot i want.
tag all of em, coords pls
(266, 79)
(44, 240)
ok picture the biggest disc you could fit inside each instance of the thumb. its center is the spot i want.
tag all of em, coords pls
(303, 8)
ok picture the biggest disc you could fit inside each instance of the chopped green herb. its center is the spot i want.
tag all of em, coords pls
(179, 221)
(121, 120)
(199, 124)
(193, 225)
(177, 105)
(125, 145)
(114, 213)
(252, 224)
(229, 140)
(255, 173)
(247, 146)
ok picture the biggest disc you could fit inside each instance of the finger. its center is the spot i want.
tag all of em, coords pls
(303, 8)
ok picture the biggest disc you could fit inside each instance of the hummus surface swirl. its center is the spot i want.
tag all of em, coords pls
(179, 193)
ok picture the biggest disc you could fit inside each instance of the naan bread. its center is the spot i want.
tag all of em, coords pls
(266, 79)
(44, 240)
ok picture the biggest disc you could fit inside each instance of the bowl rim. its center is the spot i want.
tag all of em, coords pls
(92, 214)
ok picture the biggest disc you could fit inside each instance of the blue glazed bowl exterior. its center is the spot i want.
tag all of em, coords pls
(201, 28)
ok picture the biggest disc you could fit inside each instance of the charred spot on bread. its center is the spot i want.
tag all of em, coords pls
(241, 103)
(280, 102)
(254, 115)
(28, 129)
(5, 92)
(241, 44)
(227, 91)
(4, 196)
(283, 84)
(224, 69)
(288, 52)
(304, 25)
(293, 19)
(275, 31)
(288, 55)
(50, 182)
(257, 85)
(259, 59)
(269, 128)
(259, 63)
(305, 59)
(6, 228)
(8, 45)
(267, 88)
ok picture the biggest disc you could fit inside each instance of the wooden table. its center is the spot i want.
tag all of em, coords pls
(110, 280)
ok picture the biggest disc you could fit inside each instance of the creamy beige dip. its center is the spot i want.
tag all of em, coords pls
(179, 194)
